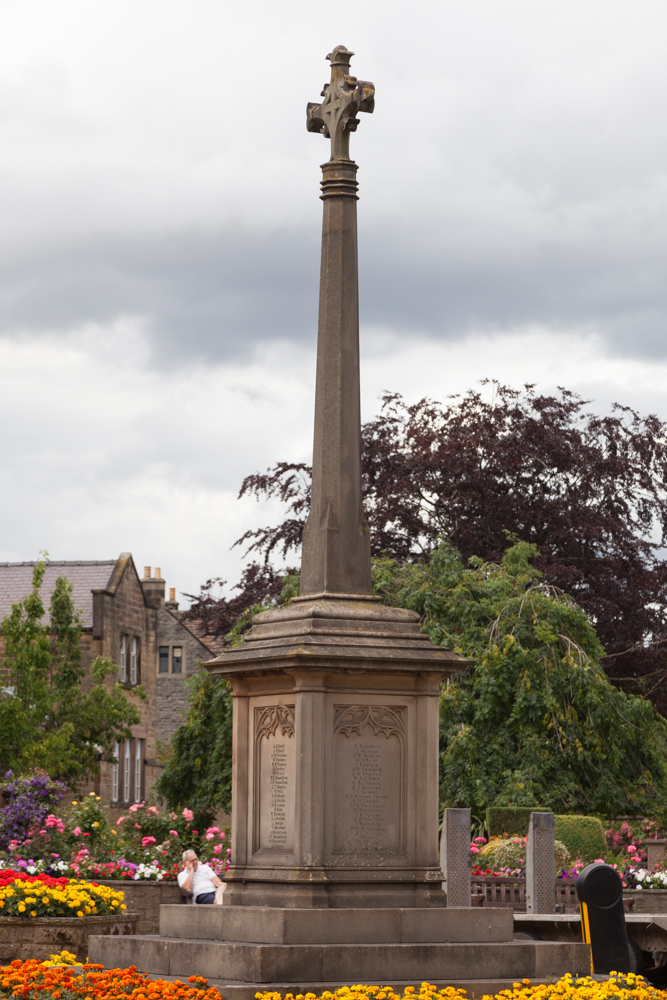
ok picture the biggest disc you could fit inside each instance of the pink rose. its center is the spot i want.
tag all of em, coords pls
(631, 847)
(474, 850)
(209, 836)
(188, 815)
(137, 826)
(153, 809)
(217, 848)
(77, 831)
(119, 820)
(147, 841)
(174, 833)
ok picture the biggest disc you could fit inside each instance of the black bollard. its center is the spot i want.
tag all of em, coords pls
(600, 893)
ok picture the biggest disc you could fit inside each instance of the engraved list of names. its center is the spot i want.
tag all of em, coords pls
(368, 793)
(276, 792)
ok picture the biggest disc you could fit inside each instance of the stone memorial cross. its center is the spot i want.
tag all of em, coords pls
(336, 557)
(336, 696)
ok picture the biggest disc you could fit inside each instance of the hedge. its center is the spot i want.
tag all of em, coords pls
(582, 835)
(508, 819)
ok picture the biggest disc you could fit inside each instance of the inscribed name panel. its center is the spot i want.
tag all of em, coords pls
(275, 778)
(369, 780)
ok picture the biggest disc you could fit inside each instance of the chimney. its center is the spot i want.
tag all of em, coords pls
(172, 603)
(153, 588)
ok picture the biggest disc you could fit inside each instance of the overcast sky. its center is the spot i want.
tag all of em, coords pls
(159, 245)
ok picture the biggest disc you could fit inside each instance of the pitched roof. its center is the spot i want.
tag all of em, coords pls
(85, 576)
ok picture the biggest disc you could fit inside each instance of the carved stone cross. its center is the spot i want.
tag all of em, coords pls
(344, 98)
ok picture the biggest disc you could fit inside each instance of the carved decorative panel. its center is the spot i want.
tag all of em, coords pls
(369, 780)
(274, 778)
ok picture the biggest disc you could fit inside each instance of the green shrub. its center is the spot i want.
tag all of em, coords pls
(508, 820)
(583, 836)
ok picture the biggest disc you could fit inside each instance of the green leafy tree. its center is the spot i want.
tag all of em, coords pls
(198, 771)
(52, 716)
(534, 721)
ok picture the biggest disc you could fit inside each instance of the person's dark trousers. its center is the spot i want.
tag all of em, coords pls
(205, 897)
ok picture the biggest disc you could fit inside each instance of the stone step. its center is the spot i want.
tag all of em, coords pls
(317, 963)
(273, 925)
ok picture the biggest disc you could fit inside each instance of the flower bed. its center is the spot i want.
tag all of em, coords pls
(31, 979)
(144, 844)
(619, 986)
(28, 897)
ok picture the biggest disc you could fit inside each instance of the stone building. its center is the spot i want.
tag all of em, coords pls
(127, 619)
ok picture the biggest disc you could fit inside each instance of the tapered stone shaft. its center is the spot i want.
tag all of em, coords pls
(336, 555)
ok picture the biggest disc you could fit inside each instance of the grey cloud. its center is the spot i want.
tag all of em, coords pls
(215, 297)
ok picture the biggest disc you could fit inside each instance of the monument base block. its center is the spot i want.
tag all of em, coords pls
(335, 762)
(338, 895)
(242, 944)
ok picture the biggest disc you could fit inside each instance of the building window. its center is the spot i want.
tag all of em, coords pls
(115, 772)
(133, 662)
(137, 771)
(123, 667)
(170, 659)
(126, 772)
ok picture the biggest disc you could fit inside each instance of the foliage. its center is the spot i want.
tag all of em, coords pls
(48, 719)
(259, 586)
(143, 844)
(510, 853)
(589, 491)
(534, 719)
(40, 897)
(199, 768)
(583, 836)
(33, 980)
(507, 820)
(30, 797)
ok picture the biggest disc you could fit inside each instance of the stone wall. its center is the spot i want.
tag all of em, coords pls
(647, 900)
(40, 937)
(170, 697)
(145, 899)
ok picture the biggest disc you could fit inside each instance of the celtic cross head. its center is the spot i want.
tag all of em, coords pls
(344, 97)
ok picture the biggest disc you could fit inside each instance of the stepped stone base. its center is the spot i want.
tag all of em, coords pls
(264, 945)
